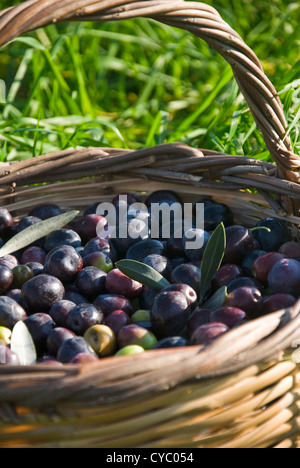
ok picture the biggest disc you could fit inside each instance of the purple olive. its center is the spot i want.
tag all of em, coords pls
(208, 333)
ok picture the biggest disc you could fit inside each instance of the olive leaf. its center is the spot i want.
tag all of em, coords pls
(212, 258)
(22, 344)
(217, 300)
(142, 273)
(36, 232)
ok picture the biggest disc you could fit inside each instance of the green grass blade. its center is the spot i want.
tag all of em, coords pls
(157, 133)
(29, 41)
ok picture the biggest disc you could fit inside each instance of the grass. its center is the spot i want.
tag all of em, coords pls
(138, 83)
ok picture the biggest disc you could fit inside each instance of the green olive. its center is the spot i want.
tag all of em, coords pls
(133, 334)
(22, 274)
(141, 316)
(102, 340)
(132, 349)
(5, 335)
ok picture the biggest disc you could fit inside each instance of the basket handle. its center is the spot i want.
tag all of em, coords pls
(198, 18)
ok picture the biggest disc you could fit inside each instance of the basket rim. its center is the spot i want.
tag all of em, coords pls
(117, 379)
(170, 163)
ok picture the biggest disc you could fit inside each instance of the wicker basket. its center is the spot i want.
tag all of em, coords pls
(244, 390)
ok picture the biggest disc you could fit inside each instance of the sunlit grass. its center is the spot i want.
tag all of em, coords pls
(139, 83)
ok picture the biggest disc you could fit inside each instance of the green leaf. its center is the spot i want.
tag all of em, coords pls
(217, 300)
(36, 232)
(212, 258)
(142, 273)
(22, 344)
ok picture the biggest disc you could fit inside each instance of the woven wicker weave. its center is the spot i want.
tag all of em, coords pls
(244, 390)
